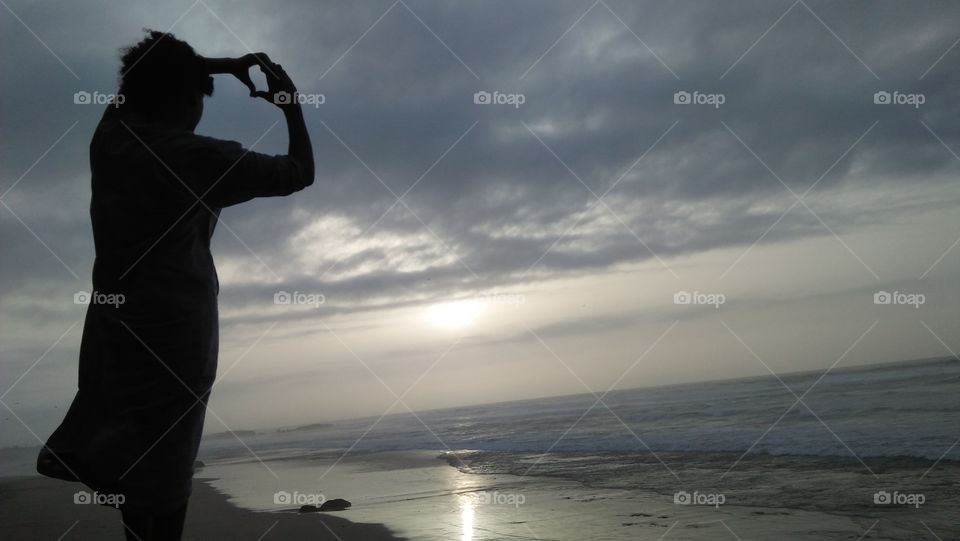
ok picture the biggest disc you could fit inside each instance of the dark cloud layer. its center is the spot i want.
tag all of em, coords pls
(598, 98)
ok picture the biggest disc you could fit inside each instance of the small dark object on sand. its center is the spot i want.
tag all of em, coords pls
(338, 504)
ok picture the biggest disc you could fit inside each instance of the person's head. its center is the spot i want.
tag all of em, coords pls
(162, 78)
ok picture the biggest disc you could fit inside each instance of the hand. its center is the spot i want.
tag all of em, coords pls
(240, 68)
(277, 80)
(280, 88)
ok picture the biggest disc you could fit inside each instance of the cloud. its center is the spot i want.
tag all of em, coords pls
(495, 196)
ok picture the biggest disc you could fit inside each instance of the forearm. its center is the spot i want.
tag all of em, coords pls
(299, 148)
(220, 65)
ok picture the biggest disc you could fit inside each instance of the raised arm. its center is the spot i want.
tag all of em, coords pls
(299, 147)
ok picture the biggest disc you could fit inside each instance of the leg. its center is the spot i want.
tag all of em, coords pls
(169, 527)
(137, 526)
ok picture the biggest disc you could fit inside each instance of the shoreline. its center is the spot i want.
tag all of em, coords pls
(424, 495)
(36, 508)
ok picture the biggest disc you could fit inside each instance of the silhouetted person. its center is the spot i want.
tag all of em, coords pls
(147, 365)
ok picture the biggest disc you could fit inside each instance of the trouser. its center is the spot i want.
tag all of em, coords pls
(144, 527)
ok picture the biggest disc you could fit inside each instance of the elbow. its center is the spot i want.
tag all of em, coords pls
(304, 174)
(306, 179)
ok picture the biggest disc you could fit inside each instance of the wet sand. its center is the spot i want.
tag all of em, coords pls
(420, 495)
(475, 496)
(41, 509)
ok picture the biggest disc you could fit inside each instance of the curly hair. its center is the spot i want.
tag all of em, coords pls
(162, 72)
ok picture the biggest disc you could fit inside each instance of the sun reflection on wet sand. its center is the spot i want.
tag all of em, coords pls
(466, 516)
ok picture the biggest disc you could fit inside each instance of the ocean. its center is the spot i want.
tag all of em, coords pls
(904, 409)
(858, 453)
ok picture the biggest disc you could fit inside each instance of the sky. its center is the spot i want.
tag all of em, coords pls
(514, 199)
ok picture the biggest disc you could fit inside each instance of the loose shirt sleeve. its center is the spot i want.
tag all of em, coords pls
(223, 173)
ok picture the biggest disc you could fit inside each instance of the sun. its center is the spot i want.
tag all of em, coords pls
(453, 315)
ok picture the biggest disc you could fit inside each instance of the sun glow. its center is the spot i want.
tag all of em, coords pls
(453, 315)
